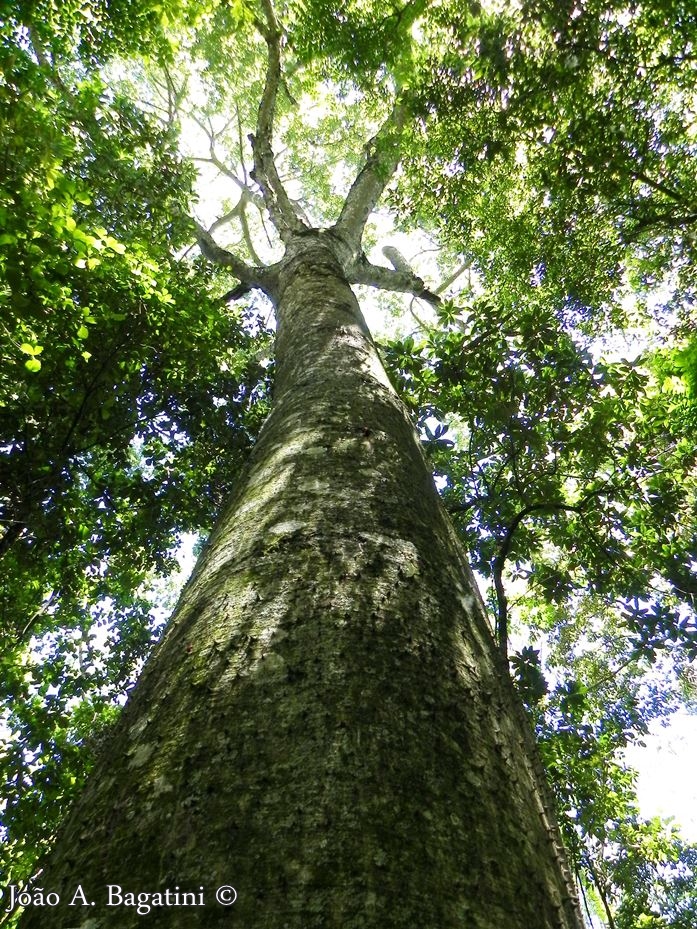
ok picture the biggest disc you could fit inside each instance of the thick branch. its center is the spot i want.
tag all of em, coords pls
(382, 158)
(396, 259)
(248, 275)
(282, 212)
(403, 281)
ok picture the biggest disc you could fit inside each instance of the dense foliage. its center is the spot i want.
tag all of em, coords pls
(550, 152)
(128, 397)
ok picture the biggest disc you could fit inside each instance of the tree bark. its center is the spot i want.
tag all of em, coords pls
(326, 724)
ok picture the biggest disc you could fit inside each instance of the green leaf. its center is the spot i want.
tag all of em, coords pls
(31, 349)
(32, 364)
(83, 332)
(115, 245)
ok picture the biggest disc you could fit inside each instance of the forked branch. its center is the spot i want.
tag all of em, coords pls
(283, 214)
(383, 154)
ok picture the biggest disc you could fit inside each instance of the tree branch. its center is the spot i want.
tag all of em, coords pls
(238, 212)
(248, 275)
(10, 535)
(44, 58)
(451, 278)
(47, 61)
(383, 154)
(214, 160)
(174, 96)
(403, 280)
(252, 195)
(223, 220)
(660, 187)
(247, 237)
(283, 214)
(37, 614)
(601, 887)
(500, 561)
(668, 220)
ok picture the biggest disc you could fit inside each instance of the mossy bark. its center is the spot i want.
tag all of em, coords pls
(326, 724)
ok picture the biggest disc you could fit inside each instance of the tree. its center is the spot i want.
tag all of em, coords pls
(367, 684)
(326, 717)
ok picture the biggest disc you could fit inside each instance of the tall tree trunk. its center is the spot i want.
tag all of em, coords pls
(326, 724)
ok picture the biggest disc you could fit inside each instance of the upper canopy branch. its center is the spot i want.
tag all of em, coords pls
(214, 159)
(283, 214)
(383, 153)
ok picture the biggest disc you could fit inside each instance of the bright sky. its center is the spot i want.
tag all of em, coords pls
(667, 784)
